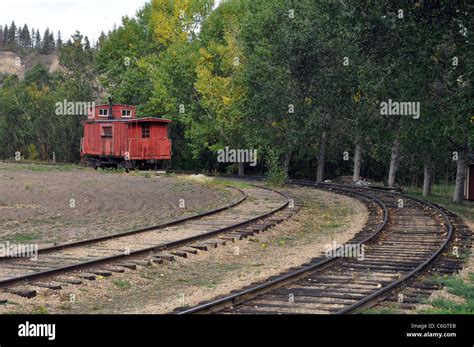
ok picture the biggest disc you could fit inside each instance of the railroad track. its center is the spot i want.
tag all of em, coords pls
(403, 238)
(256, 210)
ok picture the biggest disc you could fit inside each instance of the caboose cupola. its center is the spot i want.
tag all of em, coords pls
(112, 111)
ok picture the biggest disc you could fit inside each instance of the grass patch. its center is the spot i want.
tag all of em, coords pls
(458, 286)
(443, 306)
(122, 284)
(442, 194)
(222, 183)
(146, 174)
(110, 170)
(65, 306)
(40, 310)
(334, 225)
(24, 237)
(380, 310)
(283, 241)
(39, 167)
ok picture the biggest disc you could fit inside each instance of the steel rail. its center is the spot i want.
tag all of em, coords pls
(165, 246)
(292, 275)
(377, 295)
(364, 302)
(242, 198)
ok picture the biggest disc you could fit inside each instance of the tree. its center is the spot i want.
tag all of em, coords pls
(172, 67)
(33, 38)
(102, 38)
(5, 35)
(12, 36)
(59, 41)
(295, 79)
(52, 42)
(25, 40)
(48, 44)
(28, 122)
(77, 59)
(121, 57)
(87, 44)
(218, 83)
(38, 40)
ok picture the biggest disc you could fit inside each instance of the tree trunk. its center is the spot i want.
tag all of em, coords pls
(394, 160)
(427, 179)
(288, 161)
(241, 169)
(357, 161)
(460, 176)
(321, 158)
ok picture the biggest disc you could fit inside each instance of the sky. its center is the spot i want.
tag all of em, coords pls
(90, 17)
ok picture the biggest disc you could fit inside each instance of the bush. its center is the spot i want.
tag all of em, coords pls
(276, 174)
(32, 152)
(232, 169)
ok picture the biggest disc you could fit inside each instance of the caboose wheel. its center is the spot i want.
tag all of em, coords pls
(124, 165)
(94, 163)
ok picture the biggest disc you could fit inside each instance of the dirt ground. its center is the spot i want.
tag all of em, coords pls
(50, 205)
(326, 217)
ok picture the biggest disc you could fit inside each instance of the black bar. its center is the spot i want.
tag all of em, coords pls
(303, 330)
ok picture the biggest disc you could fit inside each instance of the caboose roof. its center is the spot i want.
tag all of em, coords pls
(135, 120)
(120, 105)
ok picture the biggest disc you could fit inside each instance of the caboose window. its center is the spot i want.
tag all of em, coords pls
(145, 131)
(103, 112)
(106, 131)
(126, 113)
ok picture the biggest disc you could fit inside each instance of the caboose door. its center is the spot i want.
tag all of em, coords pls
(106, 146)
(106, 140)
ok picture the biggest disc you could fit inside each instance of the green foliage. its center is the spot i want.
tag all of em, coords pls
(265, 74)
(276, 174)
(28, 120)
(122, 284)
(455, 285)
(20, 40)
(120, 60)
(32, 152)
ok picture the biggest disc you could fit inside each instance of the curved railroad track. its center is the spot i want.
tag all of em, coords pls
(256, 210)
(402, 238)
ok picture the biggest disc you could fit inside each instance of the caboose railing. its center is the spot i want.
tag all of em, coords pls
(148, 147)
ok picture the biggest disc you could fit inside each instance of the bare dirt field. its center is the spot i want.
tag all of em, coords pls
(326, 217)
(49, 205)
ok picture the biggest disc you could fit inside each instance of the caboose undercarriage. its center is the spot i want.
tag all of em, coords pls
(121, 163)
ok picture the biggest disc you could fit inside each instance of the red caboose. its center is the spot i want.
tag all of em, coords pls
(115, 137)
